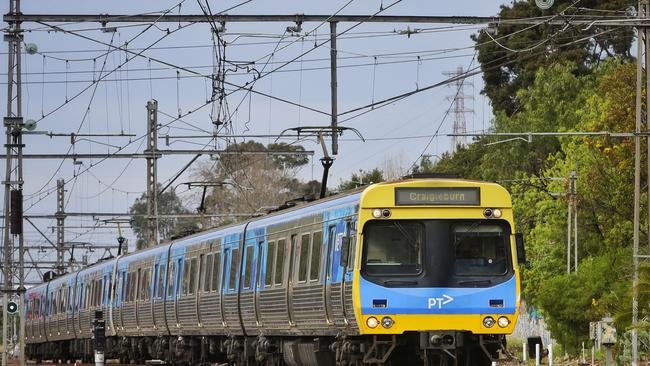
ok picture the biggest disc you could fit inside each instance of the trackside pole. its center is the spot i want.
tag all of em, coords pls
(537, 355)
(525, 352)
(99, 337)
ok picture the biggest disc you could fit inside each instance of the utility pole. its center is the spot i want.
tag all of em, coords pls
(574, 200)
(334, 89)
(641, 32)
(60, 226)
(152, 173)
(13, 228)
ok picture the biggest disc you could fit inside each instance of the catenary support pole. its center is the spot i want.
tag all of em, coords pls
(152, 173)
(334, 88)
(13, 183)
(60, 226)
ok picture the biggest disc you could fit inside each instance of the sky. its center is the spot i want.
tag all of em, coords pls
(375, 62)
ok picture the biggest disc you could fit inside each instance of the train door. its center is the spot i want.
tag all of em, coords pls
(327, 283)
(293, 249)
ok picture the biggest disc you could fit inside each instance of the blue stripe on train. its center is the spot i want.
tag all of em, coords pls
(410, 300)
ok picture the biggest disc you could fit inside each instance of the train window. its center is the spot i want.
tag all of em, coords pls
(258, 264)
(279, 262)
(207, 273)
(69, 297)
(270, 256)
(304, 258)
(161, 281)
(186, 276)
(316, 249)
(353, 241)
(201, 274)
(480, 250)
(234, 263)
(123, 286)
(393, 247)
(216, 272)
(170, 280)
(179, 276)
(193, 272)
(147, 283)
(156, 275)
(248, 267)
(331, 240)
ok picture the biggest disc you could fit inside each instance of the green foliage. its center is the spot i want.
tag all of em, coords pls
(506, 73)
(562, 99)
(360, 179)
(168, 204)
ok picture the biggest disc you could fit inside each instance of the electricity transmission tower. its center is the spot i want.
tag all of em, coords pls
(459, 109)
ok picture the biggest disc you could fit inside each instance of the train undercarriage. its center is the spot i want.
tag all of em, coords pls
(426, 348)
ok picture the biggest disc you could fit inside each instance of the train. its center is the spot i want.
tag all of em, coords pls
(417, 271)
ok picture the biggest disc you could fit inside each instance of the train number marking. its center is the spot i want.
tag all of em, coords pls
(438, 302)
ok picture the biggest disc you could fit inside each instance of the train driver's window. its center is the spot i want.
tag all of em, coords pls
(270, 258)
(279, 262)
(316, 249)
(480, 250)
(304, 258)
(393, 247)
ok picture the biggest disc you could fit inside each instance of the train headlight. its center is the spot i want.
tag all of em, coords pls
(489, 322)
(487, 212)
(503, 322)
(385, 213)
(372, 322)
(387, 322)
(376, 213)
(496, 213)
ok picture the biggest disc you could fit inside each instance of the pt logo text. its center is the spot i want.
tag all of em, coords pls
(438, 302)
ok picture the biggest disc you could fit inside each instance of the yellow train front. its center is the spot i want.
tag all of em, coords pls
(437, 267)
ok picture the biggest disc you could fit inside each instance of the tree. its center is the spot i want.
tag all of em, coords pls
(506, 72)
(360, 179)
(168, 204)
(251, 184)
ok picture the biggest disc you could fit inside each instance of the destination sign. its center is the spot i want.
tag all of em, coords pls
(437, 196)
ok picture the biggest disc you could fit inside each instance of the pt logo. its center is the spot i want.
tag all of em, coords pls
(438, 302)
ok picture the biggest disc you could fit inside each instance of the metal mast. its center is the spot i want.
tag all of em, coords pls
(152, 173)
(60, 226)
(13, 230)
(459, 109)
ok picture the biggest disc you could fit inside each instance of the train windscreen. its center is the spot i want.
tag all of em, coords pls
(436, 253)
